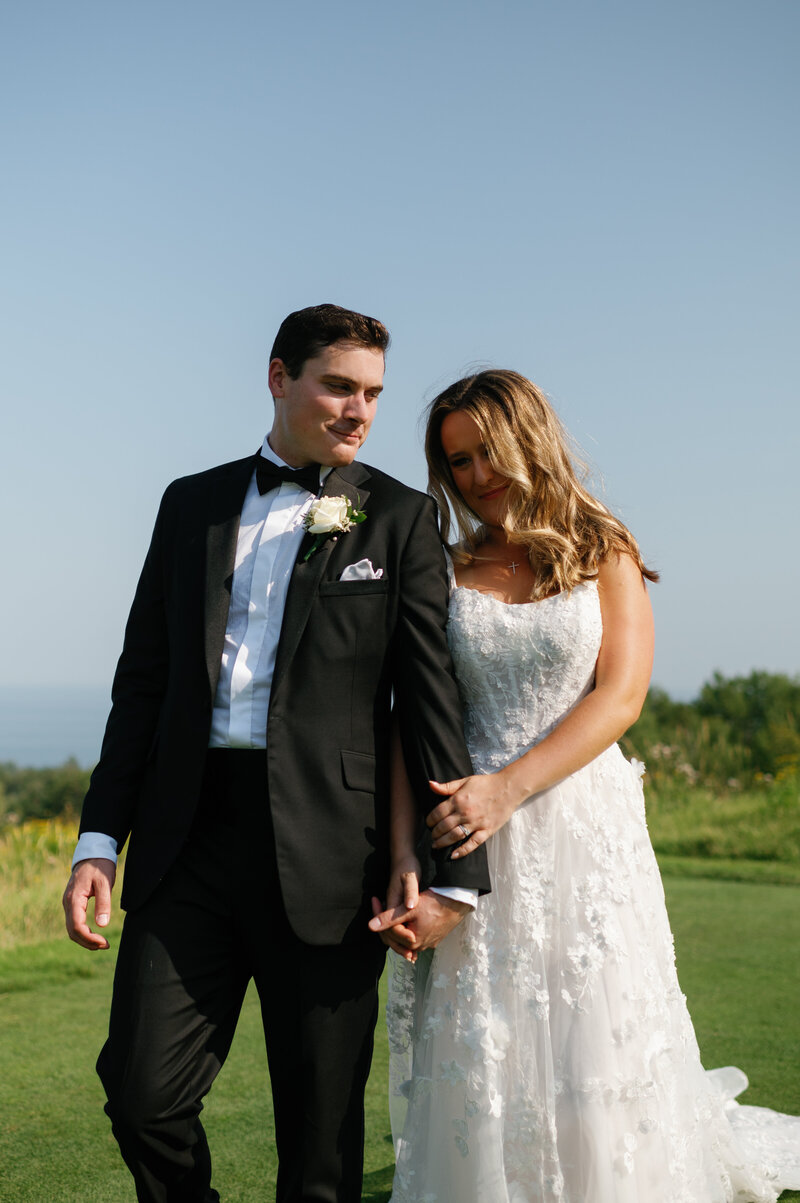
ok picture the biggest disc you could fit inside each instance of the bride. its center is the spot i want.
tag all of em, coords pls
(544, 1051)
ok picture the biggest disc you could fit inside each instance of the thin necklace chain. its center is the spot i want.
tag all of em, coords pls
(514, 565)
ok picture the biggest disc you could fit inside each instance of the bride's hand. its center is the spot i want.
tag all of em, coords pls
(474, 808)
(402, 897)
(403, 888)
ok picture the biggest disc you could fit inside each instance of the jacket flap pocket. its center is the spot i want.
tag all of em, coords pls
(358, 770)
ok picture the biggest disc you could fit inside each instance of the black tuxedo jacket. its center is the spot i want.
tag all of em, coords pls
(346, 647)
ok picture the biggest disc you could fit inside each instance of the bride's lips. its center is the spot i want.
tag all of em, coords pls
(493, 493)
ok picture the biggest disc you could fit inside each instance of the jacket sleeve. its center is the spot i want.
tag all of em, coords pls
(426, 697)
(136, 698)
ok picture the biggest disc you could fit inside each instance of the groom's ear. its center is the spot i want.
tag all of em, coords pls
(277, 377)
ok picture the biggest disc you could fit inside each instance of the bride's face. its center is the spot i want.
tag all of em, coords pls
(481, 485)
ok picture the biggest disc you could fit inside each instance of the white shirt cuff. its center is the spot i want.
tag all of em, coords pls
(458, 894)
(93, 844)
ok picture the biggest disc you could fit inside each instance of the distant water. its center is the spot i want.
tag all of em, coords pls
(45, 725)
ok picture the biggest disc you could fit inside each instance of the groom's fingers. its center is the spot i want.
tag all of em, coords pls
(391, 941)
(399, 938)
(393, 917)
(435, 917)
(90, 879)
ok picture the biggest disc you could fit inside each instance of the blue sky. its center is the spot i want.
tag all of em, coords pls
(602, 196)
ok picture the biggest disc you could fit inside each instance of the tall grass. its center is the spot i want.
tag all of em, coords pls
(34, 867)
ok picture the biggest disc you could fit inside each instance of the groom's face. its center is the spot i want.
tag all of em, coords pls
(324, 415)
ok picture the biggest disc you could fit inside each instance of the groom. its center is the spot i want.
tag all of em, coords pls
(247, 756)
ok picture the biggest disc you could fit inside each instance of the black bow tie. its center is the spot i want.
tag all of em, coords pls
(270, 476)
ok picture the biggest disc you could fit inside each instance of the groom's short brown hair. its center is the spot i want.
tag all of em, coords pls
(304, 333)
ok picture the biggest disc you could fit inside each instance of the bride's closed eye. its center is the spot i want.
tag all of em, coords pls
(463, 461)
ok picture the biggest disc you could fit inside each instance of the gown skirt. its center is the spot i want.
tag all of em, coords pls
(544, 1051)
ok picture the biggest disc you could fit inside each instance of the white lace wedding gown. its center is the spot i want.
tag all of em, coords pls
(553, 1055)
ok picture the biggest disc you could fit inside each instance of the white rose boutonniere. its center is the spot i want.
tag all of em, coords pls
(330, 516)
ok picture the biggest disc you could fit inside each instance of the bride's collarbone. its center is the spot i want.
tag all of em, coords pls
(510, 581)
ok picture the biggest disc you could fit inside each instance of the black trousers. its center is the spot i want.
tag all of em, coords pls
(185, 960)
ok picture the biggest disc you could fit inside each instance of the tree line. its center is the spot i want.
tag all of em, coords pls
(740, 733)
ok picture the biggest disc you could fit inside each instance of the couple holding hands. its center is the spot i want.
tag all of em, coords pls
(313, 701)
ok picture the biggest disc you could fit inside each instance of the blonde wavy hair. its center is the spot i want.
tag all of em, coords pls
(566, 532)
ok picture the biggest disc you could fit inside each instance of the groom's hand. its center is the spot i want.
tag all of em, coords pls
(92, 878)
(390, 926)
(433, 918)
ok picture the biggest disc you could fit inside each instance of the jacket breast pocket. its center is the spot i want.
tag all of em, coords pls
(352, 589)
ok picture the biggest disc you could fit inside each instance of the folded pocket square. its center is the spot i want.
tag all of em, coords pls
(362, 571)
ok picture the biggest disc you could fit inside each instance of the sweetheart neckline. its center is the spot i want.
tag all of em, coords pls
(535, 602)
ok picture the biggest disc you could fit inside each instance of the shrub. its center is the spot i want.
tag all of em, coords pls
(740, 733)
(27, 793)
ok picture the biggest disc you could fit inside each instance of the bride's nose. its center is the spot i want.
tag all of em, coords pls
(484, 472)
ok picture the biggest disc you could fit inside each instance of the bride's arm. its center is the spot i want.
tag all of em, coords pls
(484, 803)
(405, 867)
(402, 892)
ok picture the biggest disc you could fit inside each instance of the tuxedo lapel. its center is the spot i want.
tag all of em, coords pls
(223, 528)
(306, 575)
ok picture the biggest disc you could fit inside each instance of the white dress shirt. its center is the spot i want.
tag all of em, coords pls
(270, 533)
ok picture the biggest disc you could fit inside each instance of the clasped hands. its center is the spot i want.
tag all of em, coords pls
(411, 921)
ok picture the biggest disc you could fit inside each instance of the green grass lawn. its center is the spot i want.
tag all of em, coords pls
(736, 945)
